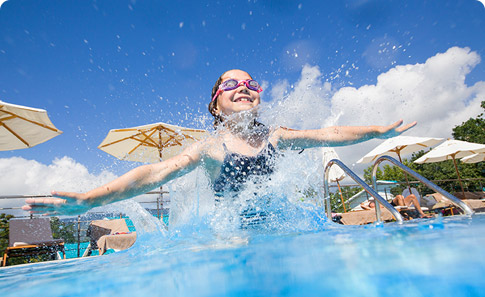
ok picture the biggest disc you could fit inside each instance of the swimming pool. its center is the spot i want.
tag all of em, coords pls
(434, 257)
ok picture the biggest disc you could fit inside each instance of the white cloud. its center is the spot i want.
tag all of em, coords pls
(434, 93)
(19, 176)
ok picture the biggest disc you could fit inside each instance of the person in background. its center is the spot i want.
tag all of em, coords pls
(399, 200)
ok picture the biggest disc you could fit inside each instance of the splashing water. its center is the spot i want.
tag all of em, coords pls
(209, 250)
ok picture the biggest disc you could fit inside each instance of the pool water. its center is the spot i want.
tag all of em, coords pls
(432, 257)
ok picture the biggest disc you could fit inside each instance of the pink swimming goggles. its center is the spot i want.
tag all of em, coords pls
(232, 84)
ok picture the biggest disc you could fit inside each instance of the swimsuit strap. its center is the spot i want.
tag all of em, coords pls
(226, 151)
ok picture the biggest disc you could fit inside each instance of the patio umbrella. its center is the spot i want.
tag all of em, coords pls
(452, 150)
(475, 158)
(398, 146)
(336, 174)
(23, 127)
(149, 143)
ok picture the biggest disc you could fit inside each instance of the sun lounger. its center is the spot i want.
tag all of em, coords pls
(32, 237)
(109, 234)
(362, 217)
(442, 203)
(481, 195)
(468, 195)
(476, 205)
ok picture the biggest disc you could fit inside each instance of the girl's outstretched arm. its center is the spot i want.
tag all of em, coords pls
(336, 136)
(135, 182)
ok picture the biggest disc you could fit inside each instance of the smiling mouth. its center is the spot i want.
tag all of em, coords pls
(244, 99)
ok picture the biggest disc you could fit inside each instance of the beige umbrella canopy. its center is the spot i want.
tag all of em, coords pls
(475, 158)
(398, 146)
(452, 150)
(149, 143)
(23, 127)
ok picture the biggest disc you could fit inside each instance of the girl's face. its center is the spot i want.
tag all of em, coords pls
(239, 99)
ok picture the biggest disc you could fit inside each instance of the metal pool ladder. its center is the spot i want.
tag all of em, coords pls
(378, 199)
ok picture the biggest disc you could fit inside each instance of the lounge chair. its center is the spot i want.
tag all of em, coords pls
(362, 217)
(476, 204)
(468, 195)
(444, 205)
(438, 203)
(481, 195)
(473, 199)
(109, 234)
(32, 237)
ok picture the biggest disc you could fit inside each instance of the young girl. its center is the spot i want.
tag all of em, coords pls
(240, 148)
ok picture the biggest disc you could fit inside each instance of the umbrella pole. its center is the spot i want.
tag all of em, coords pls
(459, 178)
(158, 207)
(341, 196)
(160, 215)
(405, 176)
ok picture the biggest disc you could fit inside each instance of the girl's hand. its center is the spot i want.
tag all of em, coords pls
(393, 130)
(61, 203)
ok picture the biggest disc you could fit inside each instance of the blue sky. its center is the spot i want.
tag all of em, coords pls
(100, 65)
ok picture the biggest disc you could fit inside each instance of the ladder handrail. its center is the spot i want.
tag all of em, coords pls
(422, 179)
(364, 185)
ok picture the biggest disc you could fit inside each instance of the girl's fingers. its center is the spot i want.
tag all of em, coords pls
(44, 201)
(394, 129)
(45, 206)
(65, 194)
(397, 124)
(406, 127)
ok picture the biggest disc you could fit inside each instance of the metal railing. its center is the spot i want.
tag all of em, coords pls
(422, 179)
(364, 185)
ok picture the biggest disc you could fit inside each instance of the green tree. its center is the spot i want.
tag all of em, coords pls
(391, 173)
(61, 230)
(442, 172)
(472, 130)
(4, 218)
(336, 199)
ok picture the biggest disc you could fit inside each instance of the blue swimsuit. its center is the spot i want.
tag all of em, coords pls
(237, 169)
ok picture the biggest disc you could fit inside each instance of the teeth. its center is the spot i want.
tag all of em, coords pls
(243, 99)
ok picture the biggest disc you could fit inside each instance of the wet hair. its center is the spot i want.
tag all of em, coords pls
(218, 119)
(213, 104)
